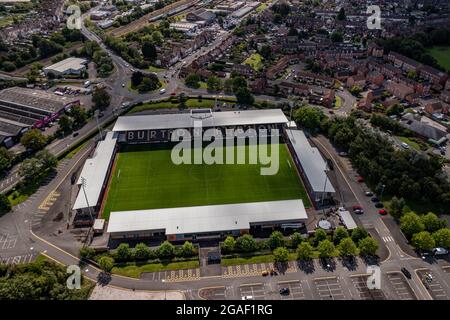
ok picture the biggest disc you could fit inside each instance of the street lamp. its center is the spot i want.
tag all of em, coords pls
(382, 191)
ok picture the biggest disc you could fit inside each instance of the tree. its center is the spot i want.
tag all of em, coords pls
(106, 263)
(341, 14)
(355, 90)
(308, 117)
(123, 252)
(33, 139)
(339, 234)
(276, 240)
(410, 224)
(368, 246)
(228, 245)
(149, 51)
(65, 124)
(325, 248)
(136, 78)
(6, 158)
(442, 238)
(188, 249)
(423, 241)
(149, 83)
(347, 247)
(432, 223)
(166, 250)
(87, 253)
(246, 243)
(213, 83)
(358, 233)
(296, 239)
(101, 99)
(157, 38)
(305, 251)
(265, 52)
(5, 204)
(319, 235)
(192, 81)
(142, 252)
(396, 207)
(78, 115)
(336, 36)
(281, 255)
(244, 96)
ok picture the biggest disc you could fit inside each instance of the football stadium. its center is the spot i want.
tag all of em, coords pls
(133, 183)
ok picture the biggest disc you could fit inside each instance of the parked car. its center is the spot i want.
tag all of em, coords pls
(369, 194)
(265, 273)
(247, 298)
(404, 145)
(375, 199)
(358, 209)
(379, 205)
(440, 251)
(360, 179)
(343, 154)
(75, 134)
(382, 212)
(285, 291)
(406, 272)
(73, 179)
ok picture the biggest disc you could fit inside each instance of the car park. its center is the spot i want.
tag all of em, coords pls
(406, 272)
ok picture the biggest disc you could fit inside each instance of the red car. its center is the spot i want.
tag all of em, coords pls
(383, 212)
(360, 179)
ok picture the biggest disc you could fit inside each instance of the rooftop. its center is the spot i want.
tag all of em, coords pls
(37, 99)
(185, 120)
(311, 161)
(95, 171)
(207, 218)
(67, 64)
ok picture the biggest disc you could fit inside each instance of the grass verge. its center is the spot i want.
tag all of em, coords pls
(134, 270)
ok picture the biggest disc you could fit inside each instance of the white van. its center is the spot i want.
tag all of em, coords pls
(87, 84)
(162, 91)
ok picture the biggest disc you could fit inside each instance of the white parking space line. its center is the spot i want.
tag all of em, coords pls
(8, 242)
(27, 258)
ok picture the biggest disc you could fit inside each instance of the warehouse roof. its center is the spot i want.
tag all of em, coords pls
(311, 162)
(67, 64)
(201, 219)
(213, 119)
(95, 171)
(37, 99)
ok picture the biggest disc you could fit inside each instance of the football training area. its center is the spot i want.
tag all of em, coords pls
(145, 177)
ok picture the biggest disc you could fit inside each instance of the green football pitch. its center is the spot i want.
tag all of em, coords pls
(146, 178)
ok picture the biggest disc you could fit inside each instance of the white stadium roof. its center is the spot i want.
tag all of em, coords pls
(200, 219)
(94, 171)
(311, 161)
(186, 120)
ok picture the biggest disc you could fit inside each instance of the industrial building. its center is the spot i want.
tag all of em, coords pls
(201, 15)
(206, 222)
(69, 66)
(32, 108)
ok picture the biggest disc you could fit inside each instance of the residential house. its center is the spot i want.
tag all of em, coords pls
(434, 75)
(398, 89)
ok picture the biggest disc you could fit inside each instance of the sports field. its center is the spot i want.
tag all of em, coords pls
(442, 55)
(148, 179)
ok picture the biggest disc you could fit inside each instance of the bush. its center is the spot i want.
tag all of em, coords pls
(106, 263)
(281, 254)
(228, 245)
(296, 239)
(246, 243)
(166, 250)
(142, 252)
(87, 253)
(276, 240)
(123, 252)
(188, 249)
